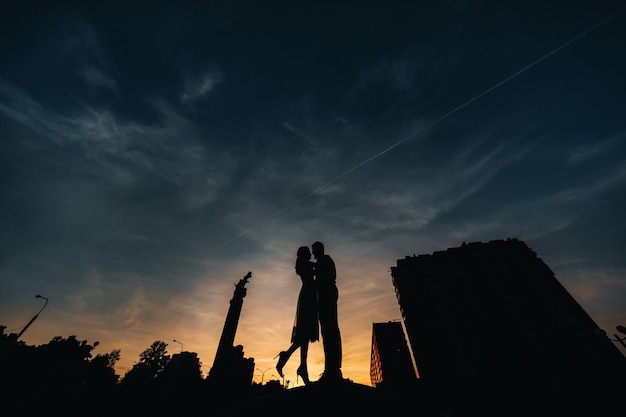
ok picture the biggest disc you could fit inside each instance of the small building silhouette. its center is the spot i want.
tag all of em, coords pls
(390, 364)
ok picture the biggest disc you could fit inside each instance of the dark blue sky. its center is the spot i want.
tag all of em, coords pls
(152, 154)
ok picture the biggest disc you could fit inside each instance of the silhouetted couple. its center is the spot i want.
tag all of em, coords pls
(316, 310)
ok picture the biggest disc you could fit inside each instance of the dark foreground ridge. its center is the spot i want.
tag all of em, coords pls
(321, 400)
(348, 398)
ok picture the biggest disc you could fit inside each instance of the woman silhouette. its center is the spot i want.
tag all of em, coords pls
(306, 325)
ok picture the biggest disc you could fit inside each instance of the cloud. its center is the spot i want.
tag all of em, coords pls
(169, 149)
(398, 73)
(592, 150)
(97, 77)
(430, 186)
(197, 86)
(72, 45)
(18, 106)
(611, 177)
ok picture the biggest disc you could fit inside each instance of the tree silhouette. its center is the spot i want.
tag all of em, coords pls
(58, 374)
(152, 362)
(101, 373)
(64, 375)
(156, 377)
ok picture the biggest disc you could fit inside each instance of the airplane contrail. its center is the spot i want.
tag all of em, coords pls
(438, 120)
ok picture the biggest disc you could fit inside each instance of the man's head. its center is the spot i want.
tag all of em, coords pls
(318, 249)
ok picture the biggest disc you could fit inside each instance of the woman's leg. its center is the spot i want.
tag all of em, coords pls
(283, 357)
(303, 370)
(304, 352)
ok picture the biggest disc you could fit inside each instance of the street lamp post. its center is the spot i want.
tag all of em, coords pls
(34, 317)
(181, 345)
(2, 354)
(263, 374)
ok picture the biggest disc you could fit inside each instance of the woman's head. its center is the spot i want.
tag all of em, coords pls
(304, 252)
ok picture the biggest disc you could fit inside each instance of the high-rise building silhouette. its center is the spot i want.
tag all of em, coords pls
(230, 369)
(390, 364)
(489, 322)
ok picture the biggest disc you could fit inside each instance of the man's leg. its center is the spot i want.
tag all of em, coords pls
(334, 341)
(324, 328)
(330, 334)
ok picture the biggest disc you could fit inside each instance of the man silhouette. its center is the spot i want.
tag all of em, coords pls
(327, 294)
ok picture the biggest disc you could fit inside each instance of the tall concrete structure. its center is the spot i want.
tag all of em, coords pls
(230, 369)
(490, 323)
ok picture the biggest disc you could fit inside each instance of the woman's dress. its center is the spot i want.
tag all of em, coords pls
(306, 324)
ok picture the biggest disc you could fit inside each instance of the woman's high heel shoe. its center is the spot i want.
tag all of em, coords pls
(304, 374)
(283, 357)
